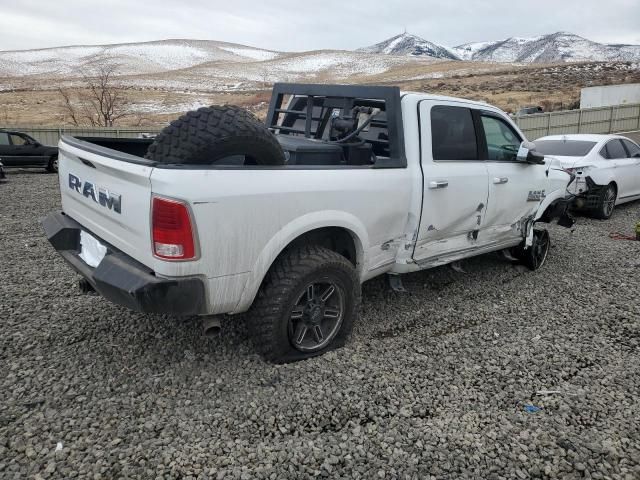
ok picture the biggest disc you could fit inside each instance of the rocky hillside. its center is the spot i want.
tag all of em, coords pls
(407, 44)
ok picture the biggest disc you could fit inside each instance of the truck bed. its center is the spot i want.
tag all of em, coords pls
(131, 146)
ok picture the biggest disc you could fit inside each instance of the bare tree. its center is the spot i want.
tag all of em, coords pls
(69, 108)
(264, 75)
(4, 114)
(99, 102)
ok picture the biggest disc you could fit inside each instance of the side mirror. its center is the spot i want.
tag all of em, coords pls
(527, 153)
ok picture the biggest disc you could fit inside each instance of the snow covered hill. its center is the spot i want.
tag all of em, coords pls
(221, 66)
(131, 58)
(551, 48)
(201, 64)
(407, 44)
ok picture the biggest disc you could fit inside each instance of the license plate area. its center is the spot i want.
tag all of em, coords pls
(91, 250)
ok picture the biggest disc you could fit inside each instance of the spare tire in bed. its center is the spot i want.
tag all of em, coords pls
(209, 134)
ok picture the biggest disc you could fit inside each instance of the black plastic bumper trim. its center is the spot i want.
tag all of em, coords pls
(121, 279)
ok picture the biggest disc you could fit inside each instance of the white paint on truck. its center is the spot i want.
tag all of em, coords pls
(401, 219)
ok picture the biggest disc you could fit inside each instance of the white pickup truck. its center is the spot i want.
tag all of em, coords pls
(223, 214)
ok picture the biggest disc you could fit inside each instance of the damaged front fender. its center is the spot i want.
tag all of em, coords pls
(554, 207)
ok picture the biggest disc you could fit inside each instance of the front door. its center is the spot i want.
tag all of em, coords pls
(455, 185)
(515, 188)
(25, 151)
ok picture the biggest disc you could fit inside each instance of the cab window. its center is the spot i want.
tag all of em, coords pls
(4, 138)
(502, 141)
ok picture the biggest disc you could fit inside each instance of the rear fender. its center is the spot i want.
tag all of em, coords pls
(291, 232)
(596, 178)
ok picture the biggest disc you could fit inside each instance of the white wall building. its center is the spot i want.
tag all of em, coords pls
(608, 95)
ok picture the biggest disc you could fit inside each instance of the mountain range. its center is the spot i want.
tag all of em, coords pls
(550, 48)
(222, 66)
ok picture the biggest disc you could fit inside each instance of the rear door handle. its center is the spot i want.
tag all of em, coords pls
(499, 180)
(439, 184)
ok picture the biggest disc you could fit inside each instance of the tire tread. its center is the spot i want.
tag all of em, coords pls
(284, 276)
(205, 135)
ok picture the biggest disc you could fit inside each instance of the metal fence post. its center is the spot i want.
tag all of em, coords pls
(549, 123)
(611, 120)
(579, 120)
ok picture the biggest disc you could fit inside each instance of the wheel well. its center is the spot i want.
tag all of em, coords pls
(337, 239)
(554, 210)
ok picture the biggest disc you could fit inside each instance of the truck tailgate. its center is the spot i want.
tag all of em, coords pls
(109, 197)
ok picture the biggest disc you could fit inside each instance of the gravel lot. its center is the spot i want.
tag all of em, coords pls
(435, 382)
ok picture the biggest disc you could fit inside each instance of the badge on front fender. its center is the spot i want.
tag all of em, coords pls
(535, 195)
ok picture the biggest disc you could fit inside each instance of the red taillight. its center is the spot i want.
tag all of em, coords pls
(172, 230)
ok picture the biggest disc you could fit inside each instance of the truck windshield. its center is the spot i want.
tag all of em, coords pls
(564, 148)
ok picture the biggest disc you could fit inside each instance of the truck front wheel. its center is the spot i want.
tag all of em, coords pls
(535, 255)
(306, 306)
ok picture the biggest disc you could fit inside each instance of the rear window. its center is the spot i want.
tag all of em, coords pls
(453, 135)
(613, 149)
(4, 138)
(293, 121)
(564, 148)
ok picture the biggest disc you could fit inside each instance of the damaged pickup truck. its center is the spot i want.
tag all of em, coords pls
(224, 214)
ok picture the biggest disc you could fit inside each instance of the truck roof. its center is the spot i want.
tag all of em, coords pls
(445, 98)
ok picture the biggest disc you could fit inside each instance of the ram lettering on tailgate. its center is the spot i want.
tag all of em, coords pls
(100, 195)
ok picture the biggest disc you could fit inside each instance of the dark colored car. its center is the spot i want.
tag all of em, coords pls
(20, 150)
(529, 111)
(1, 171)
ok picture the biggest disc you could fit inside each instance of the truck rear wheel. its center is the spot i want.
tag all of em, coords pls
(209, 134)
(306, 306)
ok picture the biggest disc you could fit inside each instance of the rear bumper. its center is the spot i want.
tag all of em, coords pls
(121, 279)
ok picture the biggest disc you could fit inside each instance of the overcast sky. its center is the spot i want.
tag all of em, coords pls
(300, 25)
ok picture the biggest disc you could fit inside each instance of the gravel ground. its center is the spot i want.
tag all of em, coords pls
(434, 384)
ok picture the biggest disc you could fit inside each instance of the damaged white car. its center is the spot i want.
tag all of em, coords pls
(222, 213)
(607, 169)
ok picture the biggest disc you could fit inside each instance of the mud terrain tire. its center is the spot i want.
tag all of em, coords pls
(286, 291)
(209, 134)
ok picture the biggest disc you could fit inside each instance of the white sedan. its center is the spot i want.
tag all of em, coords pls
(607, 169)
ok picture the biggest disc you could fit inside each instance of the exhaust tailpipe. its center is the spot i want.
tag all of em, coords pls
(211, 326)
